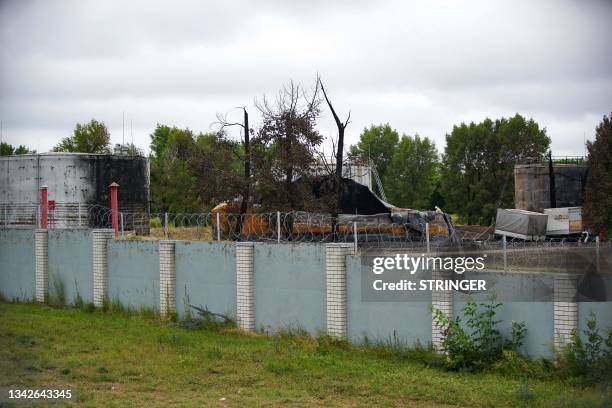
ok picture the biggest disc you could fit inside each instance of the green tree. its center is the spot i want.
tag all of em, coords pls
(172, 184)
(478, 164)
(7, 149)
(159, 139)
(412, 173)
(597, 212)
(193, 173)
(218, 168)
(92, 137)
(378, 143)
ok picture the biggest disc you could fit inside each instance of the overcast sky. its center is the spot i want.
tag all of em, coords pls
(420, 66)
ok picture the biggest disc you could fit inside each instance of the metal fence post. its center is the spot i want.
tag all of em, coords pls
(122, 230)
(114, 203)
(505, 253)
(278, 226)
(218, 228)
(79, 212)
(597, 254)
(355, 234)
(44, 206)
(166, 225)
(427, 236)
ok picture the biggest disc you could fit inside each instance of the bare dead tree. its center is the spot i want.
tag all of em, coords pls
(223, 123)
(341, 127)
(339, 150)
(286, 143)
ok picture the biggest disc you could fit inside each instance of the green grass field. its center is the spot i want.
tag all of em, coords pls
(120, 360)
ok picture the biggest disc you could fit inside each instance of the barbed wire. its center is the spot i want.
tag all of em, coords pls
(371, 231)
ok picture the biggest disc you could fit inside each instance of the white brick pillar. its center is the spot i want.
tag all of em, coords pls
(335, 271)
(565, 308)
(443, 301)
(41, 249)
(245, 285)
(100, 265)
(167, 278)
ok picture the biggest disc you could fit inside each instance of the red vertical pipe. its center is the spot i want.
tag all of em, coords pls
(114, 206)
(43, 207)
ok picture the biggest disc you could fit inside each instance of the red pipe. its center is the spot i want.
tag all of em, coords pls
(114, 206)
(43, 207)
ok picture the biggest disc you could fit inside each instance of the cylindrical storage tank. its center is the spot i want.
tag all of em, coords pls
(78, 189)
(532, 186)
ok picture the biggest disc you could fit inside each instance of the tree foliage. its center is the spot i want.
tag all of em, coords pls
(597, 211)
(478, 164)
(218, 169)
(412, 173)
(193, 173)
(172, 185)
(378, 143)
(7, 149)
(408, 167)
(284, 148)
(92, 137)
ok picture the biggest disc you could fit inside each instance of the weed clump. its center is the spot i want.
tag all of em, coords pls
(480, 344)
(587, 360)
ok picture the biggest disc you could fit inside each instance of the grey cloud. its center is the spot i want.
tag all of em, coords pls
(421, 66)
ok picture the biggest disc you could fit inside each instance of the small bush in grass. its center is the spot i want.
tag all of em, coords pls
(482, 343)
(395, 348)
(588, 361)
(171, 339)
(58, 295)
(515, 365)
(525, 393)
(155, 223)
(78, 300)
(205, 319)
(114, 306)
(89, 307)
(186, 307)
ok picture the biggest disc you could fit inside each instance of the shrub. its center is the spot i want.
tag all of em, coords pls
(58, 295)
(590, 360)
(482, 343)
(78, 300)
(155, 223)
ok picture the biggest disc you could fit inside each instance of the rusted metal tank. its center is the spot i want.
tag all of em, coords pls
(75, 182)
(532, 186)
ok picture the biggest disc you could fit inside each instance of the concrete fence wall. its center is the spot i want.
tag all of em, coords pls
(133, 273)
(264, 286)
(17, 264)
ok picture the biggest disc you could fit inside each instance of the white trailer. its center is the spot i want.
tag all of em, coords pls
(564, 221)
(523, 224)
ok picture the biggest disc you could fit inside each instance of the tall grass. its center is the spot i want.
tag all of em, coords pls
(57, 297)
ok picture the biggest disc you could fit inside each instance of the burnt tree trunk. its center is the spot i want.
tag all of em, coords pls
(339, 158)
(247, 175)
(551, 179)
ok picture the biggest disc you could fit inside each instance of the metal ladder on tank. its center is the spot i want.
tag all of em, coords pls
(379, 185)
